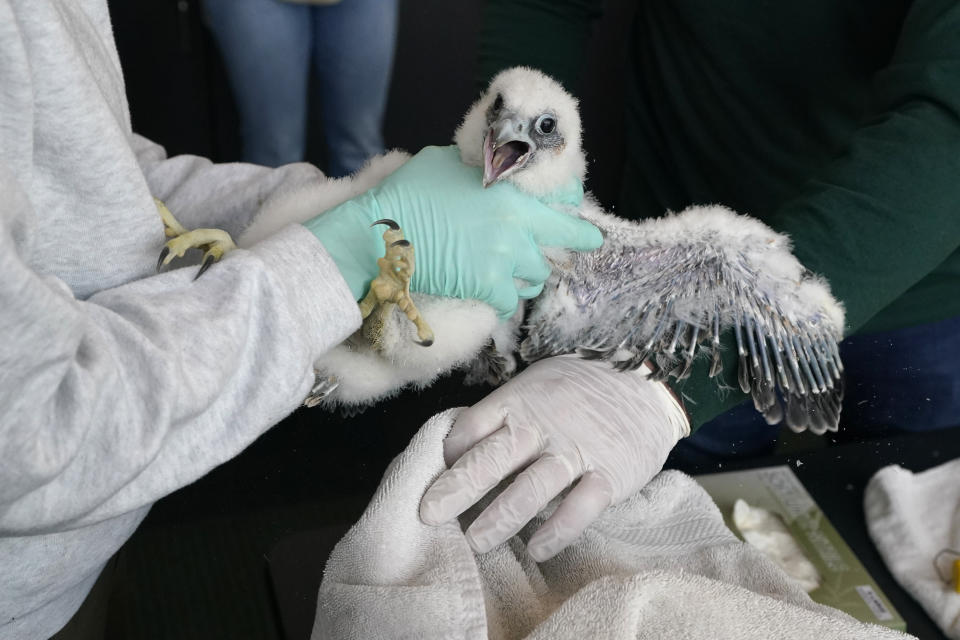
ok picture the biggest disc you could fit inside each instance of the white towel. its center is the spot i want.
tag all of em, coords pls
(660, 565)
(911, 517)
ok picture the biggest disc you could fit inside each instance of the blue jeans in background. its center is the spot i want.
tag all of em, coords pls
(896, 381)
(269, 48)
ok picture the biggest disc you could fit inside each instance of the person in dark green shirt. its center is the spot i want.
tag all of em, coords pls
(834, 121)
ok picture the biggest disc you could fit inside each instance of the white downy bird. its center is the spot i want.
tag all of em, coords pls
(657, 290)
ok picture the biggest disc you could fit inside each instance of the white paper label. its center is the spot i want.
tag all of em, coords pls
(874, 602)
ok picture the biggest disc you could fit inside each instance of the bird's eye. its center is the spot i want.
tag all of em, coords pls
(546, 124)
(498, 103)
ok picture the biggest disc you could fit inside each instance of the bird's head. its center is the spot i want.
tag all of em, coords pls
(525, 129)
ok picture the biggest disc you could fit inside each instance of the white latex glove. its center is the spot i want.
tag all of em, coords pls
(563, 419)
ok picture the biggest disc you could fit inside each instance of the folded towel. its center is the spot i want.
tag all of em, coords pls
(659, 565)
(911, 518)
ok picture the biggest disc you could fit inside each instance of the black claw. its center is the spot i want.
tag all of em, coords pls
(387, 221)
(425, 343)
(209, 260)
(400, 243)
(163, 254)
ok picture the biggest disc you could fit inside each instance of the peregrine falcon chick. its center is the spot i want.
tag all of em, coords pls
(658, 291)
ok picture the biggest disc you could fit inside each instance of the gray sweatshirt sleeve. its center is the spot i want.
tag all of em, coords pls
(202, 194)
(110, 403)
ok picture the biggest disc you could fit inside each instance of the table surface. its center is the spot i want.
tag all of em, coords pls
(835, 476)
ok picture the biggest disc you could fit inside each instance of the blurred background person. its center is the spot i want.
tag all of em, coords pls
(271, 47)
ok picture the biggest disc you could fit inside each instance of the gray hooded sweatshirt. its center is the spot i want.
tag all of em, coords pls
(118, 386)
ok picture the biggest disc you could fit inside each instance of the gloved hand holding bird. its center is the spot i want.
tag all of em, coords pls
(657, 293)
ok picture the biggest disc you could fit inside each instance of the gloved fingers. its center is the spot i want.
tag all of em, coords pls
(579, 509)
(531, 265)
(551, 228)
(526, 496)
(532, 268)
(476, 472)
(504, 298)
(473, 424)
(525, 293)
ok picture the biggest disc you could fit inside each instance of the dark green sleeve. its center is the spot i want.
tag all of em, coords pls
(550, 35)
(885, 212)
(704, 398)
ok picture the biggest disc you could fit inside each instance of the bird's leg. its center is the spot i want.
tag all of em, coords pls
(392, 288)
(214, 243)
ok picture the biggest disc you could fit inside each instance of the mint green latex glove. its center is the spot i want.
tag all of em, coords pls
(470, 242)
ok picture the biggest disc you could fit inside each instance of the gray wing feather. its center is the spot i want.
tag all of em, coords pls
(664, 290)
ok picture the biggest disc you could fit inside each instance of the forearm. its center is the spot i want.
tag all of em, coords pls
(203, 194)
(883, 215)
(111, 403)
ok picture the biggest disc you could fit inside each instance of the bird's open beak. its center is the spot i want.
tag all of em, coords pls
(506, 148)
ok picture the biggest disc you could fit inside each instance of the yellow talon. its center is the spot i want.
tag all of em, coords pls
(171, 227)
(392, 288)
(215, 243)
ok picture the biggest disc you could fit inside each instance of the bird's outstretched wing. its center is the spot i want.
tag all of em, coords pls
(665, 288)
